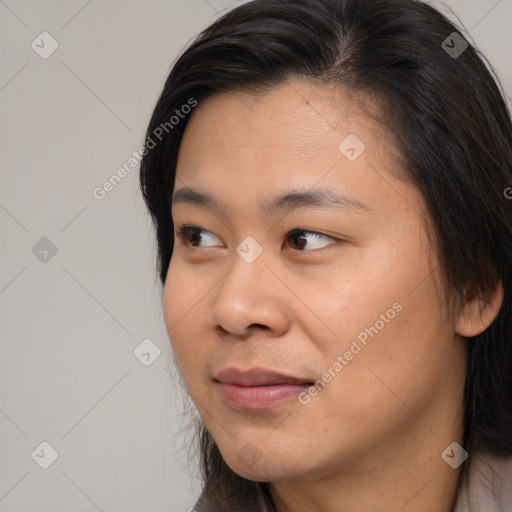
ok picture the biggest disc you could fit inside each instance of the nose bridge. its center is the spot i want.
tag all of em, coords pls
(246, 293)
(245, 275)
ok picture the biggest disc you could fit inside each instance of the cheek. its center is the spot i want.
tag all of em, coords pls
(181, 305)
(392, 335)
(348, 302)
(186, 309)
(183, 294)
(390, 368)
(173, 308)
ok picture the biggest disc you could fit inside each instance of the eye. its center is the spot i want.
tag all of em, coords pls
(191, 236)
(300, 237)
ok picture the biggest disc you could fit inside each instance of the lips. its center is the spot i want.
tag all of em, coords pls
(257, 388)
(256, 377)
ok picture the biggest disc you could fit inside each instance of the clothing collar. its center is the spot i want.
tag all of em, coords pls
(487, 485)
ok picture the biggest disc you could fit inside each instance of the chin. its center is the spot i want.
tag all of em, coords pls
(253, 464)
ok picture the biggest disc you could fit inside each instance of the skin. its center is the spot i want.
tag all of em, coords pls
(372, 438)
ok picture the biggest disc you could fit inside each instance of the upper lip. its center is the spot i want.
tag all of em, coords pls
(256, 377)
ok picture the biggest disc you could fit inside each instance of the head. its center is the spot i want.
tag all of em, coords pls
(390, 306)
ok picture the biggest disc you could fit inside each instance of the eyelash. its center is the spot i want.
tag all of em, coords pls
(186, 229)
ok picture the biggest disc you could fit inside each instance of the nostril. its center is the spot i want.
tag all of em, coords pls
(261, 326)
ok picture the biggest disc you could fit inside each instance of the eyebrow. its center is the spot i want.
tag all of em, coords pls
(292, 200)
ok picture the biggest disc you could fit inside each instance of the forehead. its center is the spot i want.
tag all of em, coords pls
(240, 145)
(294, 115)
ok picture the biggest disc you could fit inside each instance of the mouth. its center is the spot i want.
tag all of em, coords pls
(258, 388)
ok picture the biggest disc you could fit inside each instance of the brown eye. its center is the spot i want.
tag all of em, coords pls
(300, 237)
(191, 235)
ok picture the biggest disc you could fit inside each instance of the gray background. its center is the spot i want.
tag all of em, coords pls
(70, 321)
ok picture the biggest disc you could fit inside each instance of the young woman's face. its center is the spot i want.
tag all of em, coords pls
(309, 333)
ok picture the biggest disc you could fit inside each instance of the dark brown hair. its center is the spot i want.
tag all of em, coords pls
(451, 127)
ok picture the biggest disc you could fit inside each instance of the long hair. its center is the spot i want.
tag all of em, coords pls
(445, 110)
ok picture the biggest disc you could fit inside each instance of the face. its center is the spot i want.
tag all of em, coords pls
(310, 334)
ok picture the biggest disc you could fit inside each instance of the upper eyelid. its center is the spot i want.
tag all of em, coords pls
(190, 227)
(297, 229)
(183, 229)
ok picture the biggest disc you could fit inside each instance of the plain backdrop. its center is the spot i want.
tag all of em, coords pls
(85, 365)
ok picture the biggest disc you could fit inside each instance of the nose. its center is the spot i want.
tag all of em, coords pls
(249, 298)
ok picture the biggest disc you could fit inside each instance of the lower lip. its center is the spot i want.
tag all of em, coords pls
(259, 397)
